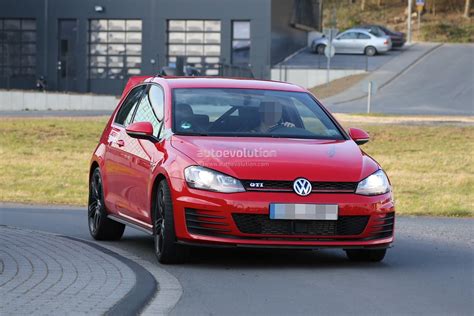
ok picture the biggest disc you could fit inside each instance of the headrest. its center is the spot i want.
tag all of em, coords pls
(183, 109)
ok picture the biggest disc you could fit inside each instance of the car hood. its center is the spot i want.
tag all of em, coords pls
(278, 158)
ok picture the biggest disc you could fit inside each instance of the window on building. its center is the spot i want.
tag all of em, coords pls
(17, 47)
(115, 48)
(198, 40)
(241, 42)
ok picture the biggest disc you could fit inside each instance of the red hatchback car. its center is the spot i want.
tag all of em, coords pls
(233, 162)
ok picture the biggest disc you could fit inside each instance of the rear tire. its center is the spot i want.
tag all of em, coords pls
(370, 51)
(166, 249)
(100, 227)
(367, 255)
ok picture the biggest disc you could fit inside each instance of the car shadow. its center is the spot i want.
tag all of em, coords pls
(251, 258)
(406, 253)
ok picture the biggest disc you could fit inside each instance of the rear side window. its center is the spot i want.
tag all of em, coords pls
(362, 36)
(349, 35)
(125, 114)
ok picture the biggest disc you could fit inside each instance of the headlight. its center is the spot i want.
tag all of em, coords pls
(376, 183)
(206, 179)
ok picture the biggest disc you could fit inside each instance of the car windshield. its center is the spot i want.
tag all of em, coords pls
(250, 113)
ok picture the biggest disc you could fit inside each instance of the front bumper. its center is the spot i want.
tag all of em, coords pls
(215, 219)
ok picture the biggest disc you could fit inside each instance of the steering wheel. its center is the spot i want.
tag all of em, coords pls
(276, 128)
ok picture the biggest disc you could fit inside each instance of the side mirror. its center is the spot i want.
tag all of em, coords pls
(141, 130)
(359, 136)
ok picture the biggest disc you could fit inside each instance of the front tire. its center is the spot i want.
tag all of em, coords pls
(164, 236)
(367, 255)
(320, 49)
(100, 227)
(370, 51)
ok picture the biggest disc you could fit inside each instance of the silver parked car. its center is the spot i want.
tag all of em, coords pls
(354, 41)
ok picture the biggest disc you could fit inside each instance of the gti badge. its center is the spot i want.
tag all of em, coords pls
(256, 184)
(302, 186)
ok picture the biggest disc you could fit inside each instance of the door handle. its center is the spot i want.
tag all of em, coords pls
(120, 143)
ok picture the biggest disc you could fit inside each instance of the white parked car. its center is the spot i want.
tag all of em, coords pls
(354, 41)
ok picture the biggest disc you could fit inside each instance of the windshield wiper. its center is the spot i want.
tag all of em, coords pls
(193, 134)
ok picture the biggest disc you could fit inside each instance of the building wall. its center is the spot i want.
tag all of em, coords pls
(154, 15)
(285, 39)
(26, 9)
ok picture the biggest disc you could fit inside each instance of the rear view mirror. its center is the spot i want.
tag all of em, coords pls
(359, 136)
(141, 130)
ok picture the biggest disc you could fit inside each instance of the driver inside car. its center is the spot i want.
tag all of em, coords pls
(271, 117)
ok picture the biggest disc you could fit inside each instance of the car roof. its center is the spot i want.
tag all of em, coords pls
(219, 82)
(368, 25)
(357, 30)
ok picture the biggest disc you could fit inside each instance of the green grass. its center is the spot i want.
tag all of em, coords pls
(463, 32)
(431, 167)
(442, 20)
(46, 160)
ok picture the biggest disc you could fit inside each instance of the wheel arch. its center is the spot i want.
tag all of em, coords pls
(154, 188)
(371, 46)
(94, 165)
(320, 45)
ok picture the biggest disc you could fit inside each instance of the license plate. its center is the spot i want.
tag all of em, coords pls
(304, 211)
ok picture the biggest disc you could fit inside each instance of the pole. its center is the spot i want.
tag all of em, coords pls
(419, 22)
(369, 95)
(333, 26)
(410, 4)
(329, 57)
(328, 66)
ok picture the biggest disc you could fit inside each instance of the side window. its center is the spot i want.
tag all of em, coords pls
(157, 101)
(362, 36)
(125, 114)
(348, 35)
(145, 113)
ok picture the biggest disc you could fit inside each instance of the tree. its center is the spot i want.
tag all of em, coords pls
(467, 8)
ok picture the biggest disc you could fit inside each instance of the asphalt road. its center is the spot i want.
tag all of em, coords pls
(307, 59)
(429, 271)
(440, 83)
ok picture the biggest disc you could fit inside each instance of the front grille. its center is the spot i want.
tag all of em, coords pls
(287, 186)
(263, 225)
(205, 222)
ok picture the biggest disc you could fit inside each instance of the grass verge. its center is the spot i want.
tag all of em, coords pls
(442, 20)
(337, 86)
(45, 160)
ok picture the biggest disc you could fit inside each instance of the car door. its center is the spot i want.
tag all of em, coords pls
(145, 154)
(344, 42)
(117, 157)
(363, 40)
